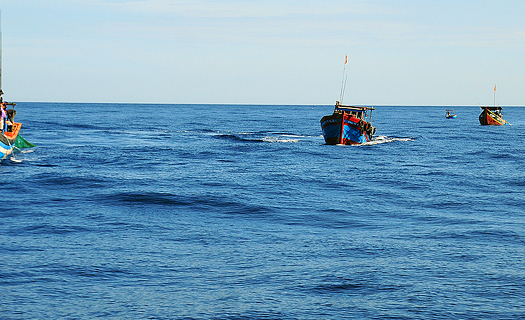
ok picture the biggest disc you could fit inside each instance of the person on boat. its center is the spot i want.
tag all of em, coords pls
(3, 123)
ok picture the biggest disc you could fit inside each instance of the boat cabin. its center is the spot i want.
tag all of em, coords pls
(496, 110)
(358, 112)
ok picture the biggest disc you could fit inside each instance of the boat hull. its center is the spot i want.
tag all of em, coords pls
(489, 118)
(353, 131)
(8, 140)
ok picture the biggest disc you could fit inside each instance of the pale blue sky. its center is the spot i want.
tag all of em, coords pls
(400, 52)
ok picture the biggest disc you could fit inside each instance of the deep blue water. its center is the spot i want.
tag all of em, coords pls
(129, 211)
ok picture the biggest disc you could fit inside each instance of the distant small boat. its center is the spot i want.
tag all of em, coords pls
(491, 116)
(451, 115)
(348, 125)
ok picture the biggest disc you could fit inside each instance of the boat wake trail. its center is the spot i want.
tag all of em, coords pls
(13, 159)
(385, 139)
(236, 137)
(270, 137)
(281, 139)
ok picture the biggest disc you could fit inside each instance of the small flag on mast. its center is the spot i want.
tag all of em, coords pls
(346, 59)
(494, 88)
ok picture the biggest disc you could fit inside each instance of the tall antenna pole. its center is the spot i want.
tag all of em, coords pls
(494, 95)
(344, 86)
(343, 81)
(1, 92)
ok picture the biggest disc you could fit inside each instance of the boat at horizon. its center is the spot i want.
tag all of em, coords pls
(450, 114)
(491, 116)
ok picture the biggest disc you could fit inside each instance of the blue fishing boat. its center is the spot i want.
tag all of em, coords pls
(451, 115)
(348, 125)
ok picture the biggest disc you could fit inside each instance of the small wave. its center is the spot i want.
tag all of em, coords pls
(340, 287)
(501, 155)
(236, 137)
(350, 286)
(206, 203)
(51, 229)
(150, 198)
(517, 183)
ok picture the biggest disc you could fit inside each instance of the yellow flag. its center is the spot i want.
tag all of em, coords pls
(494, 88)
(346, 59)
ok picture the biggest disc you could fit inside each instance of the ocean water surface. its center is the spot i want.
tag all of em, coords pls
(129, 211)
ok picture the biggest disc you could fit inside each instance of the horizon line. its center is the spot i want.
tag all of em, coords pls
(262, 104)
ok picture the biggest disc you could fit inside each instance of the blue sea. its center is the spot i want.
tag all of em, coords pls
(132, 211)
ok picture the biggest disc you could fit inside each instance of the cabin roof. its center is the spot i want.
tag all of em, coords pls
(353, 108)
(493, 108)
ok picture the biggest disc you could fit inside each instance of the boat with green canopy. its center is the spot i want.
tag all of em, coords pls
(10, 137)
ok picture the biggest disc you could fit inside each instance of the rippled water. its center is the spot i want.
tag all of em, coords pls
(129, 211)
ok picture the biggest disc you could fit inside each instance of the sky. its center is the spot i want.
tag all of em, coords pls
(400, 52)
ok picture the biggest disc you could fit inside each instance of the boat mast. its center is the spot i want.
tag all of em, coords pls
(1, 92)
(343, 82)
(494, 95)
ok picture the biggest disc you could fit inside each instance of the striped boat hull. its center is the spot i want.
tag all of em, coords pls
(8, 140)
(352, 130)
(489, 118)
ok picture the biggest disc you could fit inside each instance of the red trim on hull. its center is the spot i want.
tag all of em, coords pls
(349, 142)
(486, 119)
(14, 131)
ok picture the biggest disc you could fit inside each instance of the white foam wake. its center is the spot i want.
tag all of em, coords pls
(13, 159)
(385, 139)
(276, 139)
